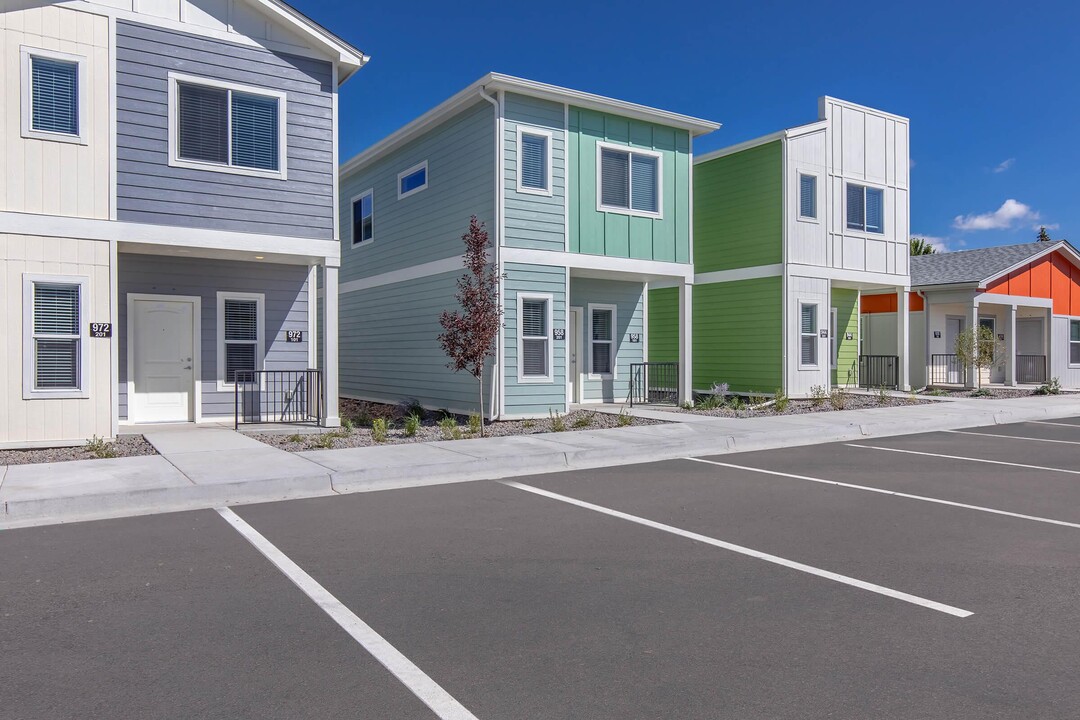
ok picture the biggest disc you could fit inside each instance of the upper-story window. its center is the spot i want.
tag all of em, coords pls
(629, 180)
(53, 96)
(226, 127)
(865, 208)
(807, 196)
(413, 180)
(534, 161)
(363, 217)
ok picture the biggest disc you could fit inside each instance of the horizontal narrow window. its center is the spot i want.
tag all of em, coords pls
(413, 180)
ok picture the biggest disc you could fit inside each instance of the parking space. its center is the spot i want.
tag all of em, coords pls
(778, 584)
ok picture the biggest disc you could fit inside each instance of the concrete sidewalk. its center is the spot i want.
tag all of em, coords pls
(201, 466)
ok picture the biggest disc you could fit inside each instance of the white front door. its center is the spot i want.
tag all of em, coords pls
(163, 354)
(573, 373)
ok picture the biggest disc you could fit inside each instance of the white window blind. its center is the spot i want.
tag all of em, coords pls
(534, 161)
(807, 196)
(614, 178)
(808, 333)
(644, 183)
(205, 116)
(54, 95)
(875, 211)
(254, 131)
(534, 337)
(56, 336)
(629, 180)
(602, 336)
(865, 208)
(241, 338)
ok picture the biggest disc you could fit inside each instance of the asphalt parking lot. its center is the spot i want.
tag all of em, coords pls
(924, 576)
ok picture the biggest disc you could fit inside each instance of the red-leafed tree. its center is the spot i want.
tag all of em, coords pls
(469, 336)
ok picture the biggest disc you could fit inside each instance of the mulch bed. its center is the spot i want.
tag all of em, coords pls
(360, 414)
(848, 401)
(125, 446)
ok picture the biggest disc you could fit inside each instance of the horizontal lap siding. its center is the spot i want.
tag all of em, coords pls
(535, 398)
(847, 351)
(534, 221)
(738, 335)
(426, 226)
(629, 298)
(150, 191)
(286, 307)
(389, 348)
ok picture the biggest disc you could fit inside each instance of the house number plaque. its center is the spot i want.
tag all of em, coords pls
(635, 337)
(294, 336)
(101, 330)
(560, 333)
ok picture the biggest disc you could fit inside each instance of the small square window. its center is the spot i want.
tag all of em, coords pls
(865, 208)
(413, 180)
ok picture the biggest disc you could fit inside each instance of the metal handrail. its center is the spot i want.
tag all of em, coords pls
(278, 396)
(653, 382)
(946, 369)
(877, 371)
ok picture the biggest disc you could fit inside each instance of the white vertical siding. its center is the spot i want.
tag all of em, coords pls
(803, 290)
(807, 239)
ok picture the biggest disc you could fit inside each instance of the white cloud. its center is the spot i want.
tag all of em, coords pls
(940, 244)
(1004, 165)
(1049, 226)
(1005, 217)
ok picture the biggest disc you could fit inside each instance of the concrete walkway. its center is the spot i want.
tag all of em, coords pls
(200, 466)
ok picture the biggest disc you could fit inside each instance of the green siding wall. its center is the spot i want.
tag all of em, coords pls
(664, 325)
(738, 335)
(738, 210)
(847, 351)
(614, 234)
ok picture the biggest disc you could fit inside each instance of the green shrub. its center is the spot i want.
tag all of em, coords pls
(756, 400)
(100, 448)
(412, 425)
(558, 424)
(982, 392)
(1051, 388)
(584, 421)
(449, 428)
(818, 395)
(883, 395)
(709, 402)
(379, 430)
(295, 438)
(938, 392)
(347, 426)
(781, 400)
(528, 424)
(625, 418)
(838, 398)
(323, 441)
(476, 423)
(411, 406)
(736, 403)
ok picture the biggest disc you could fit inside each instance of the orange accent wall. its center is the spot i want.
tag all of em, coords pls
(1052, 277)
(887, 303)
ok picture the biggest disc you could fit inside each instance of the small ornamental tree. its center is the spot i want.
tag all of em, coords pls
(469, 335)
(979, 348)
(1043, 235)
(919, 246)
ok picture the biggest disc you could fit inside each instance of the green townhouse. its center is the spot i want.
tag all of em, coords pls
(790, 230)
(587, 203)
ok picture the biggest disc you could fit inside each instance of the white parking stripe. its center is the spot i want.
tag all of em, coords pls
(827, 574)
(1047, 422)
(894, 493)
(1013, 437)
(969, 459)
(422, 686)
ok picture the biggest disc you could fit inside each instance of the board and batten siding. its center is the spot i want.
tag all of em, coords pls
(738, 209)
(150, 191)
(63, 421)
(615, 234)
(428, 225)
(1059, 363)
(285, 305)
(629, 299)
(532, 220)
(534, 398)
(47, 176)
(389, 347)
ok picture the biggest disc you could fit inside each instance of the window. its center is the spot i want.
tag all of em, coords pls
(601, 340)
(412, 181)
(865, 208)
(534, 161)
(53, 96)
(226, 127)
(55, 355)
(834, 341)
(1074, 342)
(629, 181)
(534, 316)
(240, 336)
(808, 334)
(807, 196)
(363, 216)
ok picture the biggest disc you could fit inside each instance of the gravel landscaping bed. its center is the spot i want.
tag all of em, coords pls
(125, 446)
(995, 393)
(848, 401)
(361, 414)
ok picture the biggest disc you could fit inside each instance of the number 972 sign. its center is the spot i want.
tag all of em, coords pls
(100, 330)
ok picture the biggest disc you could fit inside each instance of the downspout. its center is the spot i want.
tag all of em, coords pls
(496, 400)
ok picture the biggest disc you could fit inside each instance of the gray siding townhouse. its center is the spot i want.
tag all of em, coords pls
(587, 203)
(169, 211)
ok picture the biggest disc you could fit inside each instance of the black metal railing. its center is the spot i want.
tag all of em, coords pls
(654, 382)
(947, 370)
(879, 371)
(278, 396)
(1030, 369)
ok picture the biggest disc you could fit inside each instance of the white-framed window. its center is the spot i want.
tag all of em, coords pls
(53, 95)
(865, 208)
(363, 218)
(808, 335)
(807, 196)
(1074, 342)
(226, 127)
(413, 180)
(240, 335)
(629, 180)
(55, 352)
(602, 348)
(834, 340)
(534, 161)
(534, 338)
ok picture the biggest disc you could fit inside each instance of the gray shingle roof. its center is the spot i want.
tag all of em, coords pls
(971, 266)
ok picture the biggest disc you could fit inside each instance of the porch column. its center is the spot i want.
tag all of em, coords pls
(1010, 347)
(330, 345)
(686, 340)
(903, 339)
(972, 370)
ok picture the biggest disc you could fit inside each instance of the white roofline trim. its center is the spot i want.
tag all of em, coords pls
(785, 134)
(856, 106)
(1060, 245)
(347, 55)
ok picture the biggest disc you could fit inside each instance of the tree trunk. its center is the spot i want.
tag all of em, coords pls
(480, 379)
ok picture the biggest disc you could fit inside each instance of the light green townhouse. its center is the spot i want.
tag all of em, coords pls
(587, 203)
(789, 231)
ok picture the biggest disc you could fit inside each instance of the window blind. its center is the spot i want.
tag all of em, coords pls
(254, 131)
(203, 117)
(534, 334)
(239, 357)
(56, 309)
(534, 161)
(601, 341)
(614, 178)
(645, 188)
(56, 336)
(56, 364)
(55, 95)
(241, 320)
(807, 196)
(808, 333)
(875, 211)
(856, 210)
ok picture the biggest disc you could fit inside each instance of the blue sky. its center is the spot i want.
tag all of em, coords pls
(990, 87)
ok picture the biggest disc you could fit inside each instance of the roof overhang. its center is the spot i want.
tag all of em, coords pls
(786, 134)
(1060, 246)
(348, 58)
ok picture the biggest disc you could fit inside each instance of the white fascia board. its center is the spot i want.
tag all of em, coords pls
(1017, 300)
(1060, 246)
(168, 236)
(600, 263)
(349, 58)
(785, 134)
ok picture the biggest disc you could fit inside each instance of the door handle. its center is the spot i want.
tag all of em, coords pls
(187, 367)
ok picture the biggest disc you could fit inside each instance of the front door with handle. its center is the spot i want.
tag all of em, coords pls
(573, 375)
(163, 361)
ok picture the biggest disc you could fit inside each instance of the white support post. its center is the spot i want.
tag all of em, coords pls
(686, 326)
(903, 339)
(330, 345)
(973, 369)
(1010, 347)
